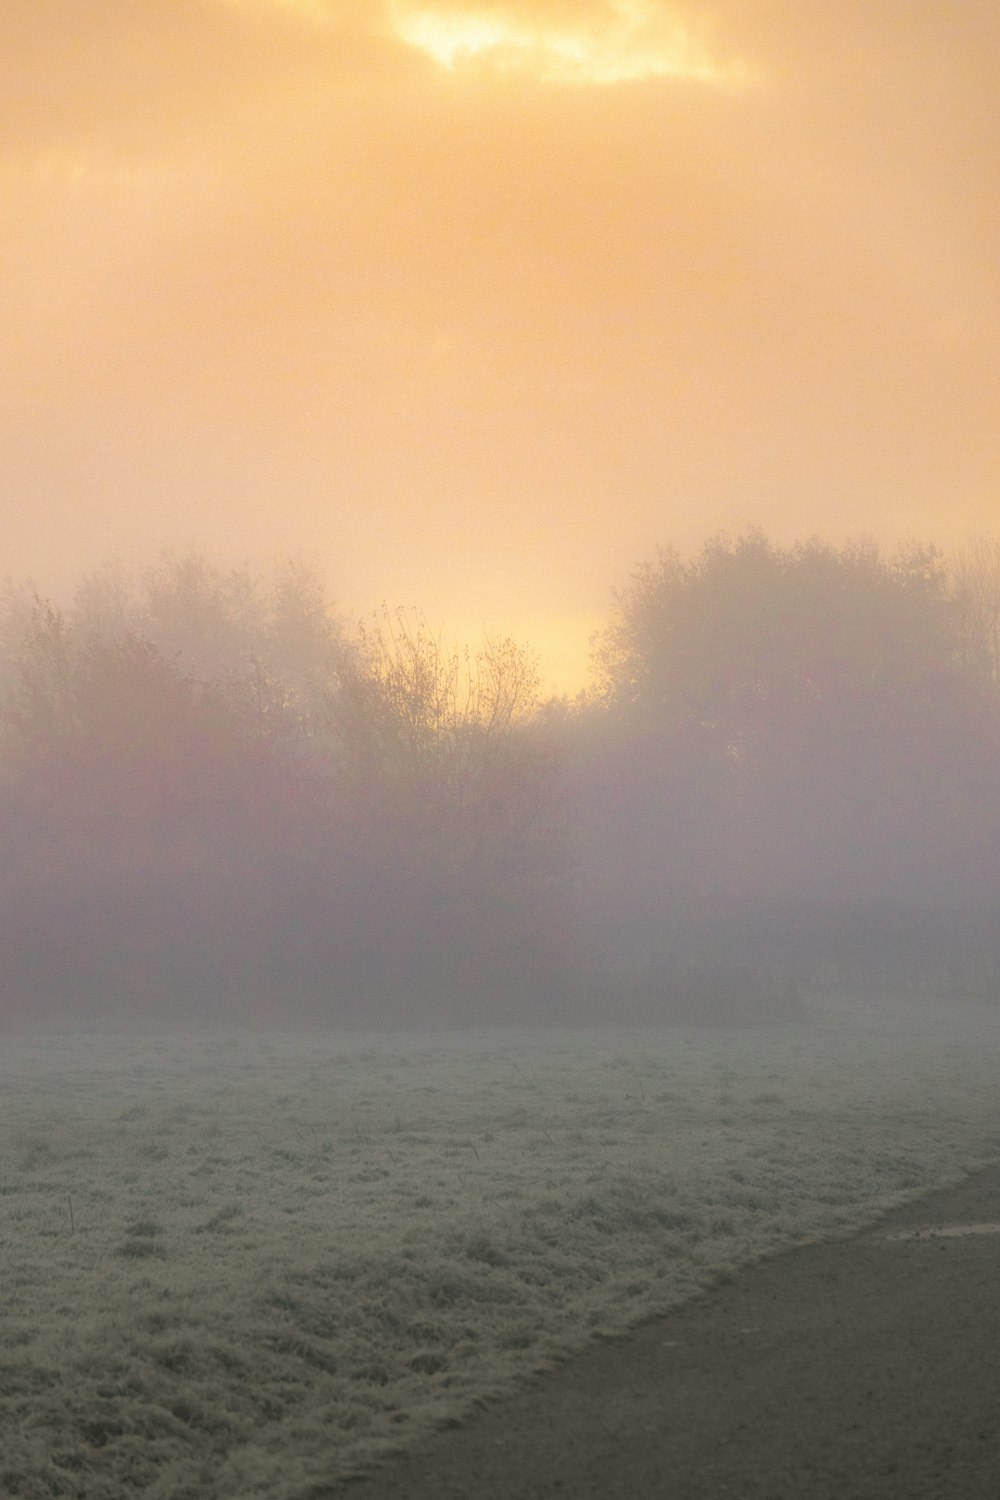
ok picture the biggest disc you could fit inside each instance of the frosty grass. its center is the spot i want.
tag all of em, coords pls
(246, 1265)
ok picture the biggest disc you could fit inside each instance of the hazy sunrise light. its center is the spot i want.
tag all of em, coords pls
(499, 747)
(617, 42)
(474, 303)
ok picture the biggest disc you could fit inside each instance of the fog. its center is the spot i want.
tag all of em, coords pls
(499, 692)
(473, 307)
(221, 802)
(305, 275)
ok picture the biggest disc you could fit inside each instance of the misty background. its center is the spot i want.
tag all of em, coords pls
(218, 800)
(319, 276)
(473, 303)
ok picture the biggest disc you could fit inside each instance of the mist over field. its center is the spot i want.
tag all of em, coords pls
(378, 1032)
(475, 305)
(478, 931)
(221, 802)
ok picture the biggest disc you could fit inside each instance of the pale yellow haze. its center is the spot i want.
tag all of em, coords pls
(615, 43)
(472, 305)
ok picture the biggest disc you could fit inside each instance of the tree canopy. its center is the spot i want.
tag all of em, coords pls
(218, 798)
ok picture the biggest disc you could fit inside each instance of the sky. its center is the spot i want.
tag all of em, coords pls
(474, 305)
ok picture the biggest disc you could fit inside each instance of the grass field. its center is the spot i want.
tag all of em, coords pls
(242, 1266)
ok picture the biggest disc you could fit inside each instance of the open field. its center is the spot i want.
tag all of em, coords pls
(238, 1266)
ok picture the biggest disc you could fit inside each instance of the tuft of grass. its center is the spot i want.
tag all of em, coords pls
(223, 1221)
(140, 1249)
(142, 1240)
(34, 1151)
(132, 1112)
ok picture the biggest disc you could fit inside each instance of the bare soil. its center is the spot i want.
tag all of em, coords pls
(865, 1369)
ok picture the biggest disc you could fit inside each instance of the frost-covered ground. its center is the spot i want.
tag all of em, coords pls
(241, 1266)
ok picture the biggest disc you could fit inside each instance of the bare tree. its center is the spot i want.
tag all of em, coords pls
(424, 707)
(976, 570)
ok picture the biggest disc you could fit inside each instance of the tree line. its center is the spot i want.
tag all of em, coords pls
(219, 801)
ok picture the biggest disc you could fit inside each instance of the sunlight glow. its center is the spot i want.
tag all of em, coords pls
(628, 40)
(319, 11)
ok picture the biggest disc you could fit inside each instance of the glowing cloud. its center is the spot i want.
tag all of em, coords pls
(624, 40)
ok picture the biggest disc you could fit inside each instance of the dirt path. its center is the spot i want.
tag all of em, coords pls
(863, 1370)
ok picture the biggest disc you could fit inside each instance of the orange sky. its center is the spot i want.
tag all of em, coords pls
(474, 304)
